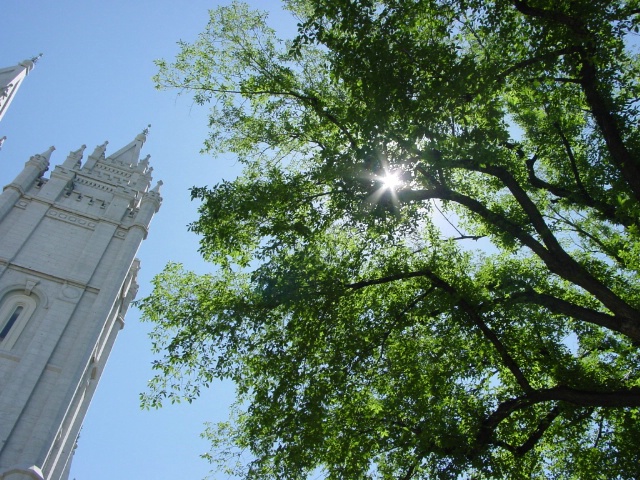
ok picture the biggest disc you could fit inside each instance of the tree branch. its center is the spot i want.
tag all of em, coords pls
(576, 198)
(563, 307)
(539, 58)
(551, 253)
(600, 244)
(600, 105)
(553, 16)
(586, 398)
(387, 279)
(471, 311)
(628, 164)
(572, 160)
(537, 434)
(469, 237)
(474, 315)
(308, 100)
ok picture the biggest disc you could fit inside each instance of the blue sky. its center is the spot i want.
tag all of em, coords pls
(94, 84)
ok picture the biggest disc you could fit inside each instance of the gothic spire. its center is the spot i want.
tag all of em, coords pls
(130, 153)
(10, 80)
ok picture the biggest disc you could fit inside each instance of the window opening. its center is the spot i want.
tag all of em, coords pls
(12, 319)
(15, 311)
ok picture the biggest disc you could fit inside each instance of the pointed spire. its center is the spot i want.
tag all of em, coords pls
(47, 153)
(77, 154)
(100, 149)
(30, 63)
(98, 154)
(10, 80)
(74, 157)
(143, 165)
(129, 154)
(43, 157)
(156, 189)
(142, 136)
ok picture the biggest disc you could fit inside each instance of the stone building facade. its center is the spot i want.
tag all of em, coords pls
(67, 276)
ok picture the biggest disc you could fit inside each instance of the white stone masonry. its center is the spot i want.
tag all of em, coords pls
(67, 276)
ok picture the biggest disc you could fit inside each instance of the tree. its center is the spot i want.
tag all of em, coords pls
(429, 266)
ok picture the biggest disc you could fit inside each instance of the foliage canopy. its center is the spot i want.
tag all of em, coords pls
(481, 318)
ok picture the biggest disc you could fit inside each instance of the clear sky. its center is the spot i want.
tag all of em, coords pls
(94, 84)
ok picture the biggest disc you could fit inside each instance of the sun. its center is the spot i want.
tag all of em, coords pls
(391, 181)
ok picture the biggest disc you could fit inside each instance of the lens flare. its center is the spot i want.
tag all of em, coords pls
(391, 181)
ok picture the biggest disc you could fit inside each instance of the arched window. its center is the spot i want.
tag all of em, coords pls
(15, 311)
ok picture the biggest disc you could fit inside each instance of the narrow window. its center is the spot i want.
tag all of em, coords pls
(15, 311)
(12, 319)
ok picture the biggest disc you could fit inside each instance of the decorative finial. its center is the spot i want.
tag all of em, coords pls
(144, 163)
(156, 189)
(142, 136)
(100, 149)
(46, 155)
(78, 153)
(2, 141)
(73, 160)
(29, 64)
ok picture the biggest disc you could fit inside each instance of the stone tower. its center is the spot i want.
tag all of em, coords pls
(67, 275)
